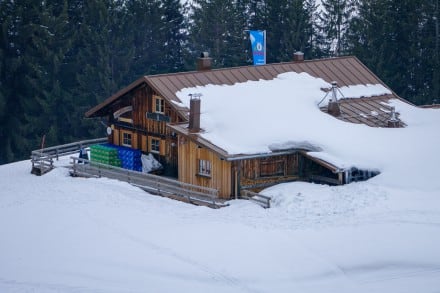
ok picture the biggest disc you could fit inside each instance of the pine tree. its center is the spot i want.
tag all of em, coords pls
(314, 38)
(97, 63)
(218, 28)
(289, 27)
(334, 21)
(396, 38)
(173, 36)
(429, 67)
(32, 47)
(145, 19)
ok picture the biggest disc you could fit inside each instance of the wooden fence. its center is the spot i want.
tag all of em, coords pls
(260, 199)
(42, 159)
(152, 183)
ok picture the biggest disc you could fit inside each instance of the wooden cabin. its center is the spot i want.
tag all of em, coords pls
(148, 115)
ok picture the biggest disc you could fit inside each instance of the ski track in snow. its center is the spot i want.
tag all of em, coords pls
(12, 286)
(215, 275)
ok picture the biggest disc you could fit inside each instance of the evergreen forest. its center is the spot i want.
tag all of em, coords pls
(59, 58)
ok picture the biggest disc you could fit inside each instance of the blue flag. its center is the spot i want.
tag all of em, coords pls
(258, 43)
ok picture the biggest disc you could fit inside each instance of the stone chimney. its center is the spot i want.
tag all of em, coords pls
(333, 104)
(194, 113)
(204, 62)
(298, 56)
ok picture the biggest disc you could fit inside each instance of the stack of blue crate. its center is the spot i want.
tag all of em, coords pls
(130, 158)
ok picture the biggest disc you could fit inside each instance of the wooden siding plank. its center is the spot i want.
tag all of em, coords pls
(189, 154)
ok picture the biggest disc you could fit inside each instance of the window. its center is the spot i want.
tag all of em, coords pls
(155, 145)
(160, 105)
(126, 139)
(205, 168)
(270, 168)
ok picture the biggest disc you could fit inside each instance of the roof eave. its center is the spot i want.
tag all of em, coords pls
(181, 129)
(95, 111)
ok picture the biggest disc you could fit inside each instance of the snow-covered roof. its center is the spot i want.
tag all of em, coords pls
(266, 116)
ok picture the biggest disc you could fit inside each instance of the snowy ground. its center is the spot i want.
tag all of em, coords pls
(63, 234)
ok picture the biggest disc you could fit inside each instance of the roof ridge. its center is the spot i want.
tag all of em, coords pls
(251, 66)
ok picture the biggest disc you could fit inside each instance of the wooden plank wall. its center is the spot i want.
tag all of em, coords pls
(144, 129)
(189, 156)
(251, 169)
(143, 102)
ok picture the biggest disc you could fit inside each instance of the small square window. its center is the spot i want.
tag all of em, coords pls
(204, 168)
(160, 105)
(155, 145)
(126, 139)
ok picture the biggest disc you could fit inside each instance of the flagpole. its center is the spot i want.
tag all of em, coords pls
(265, 41)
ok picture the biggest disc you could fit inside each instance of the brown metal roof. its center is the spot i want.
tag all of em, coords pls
(344, 70)
(371, 111)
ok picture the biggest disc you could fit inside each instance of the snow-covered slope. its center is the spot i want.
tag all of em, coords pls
(63, 234)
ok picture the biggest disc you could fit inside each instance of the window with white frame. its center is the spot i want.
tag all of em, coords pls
(205, 168)
(126, 139)
(160, 105)
(155, 145)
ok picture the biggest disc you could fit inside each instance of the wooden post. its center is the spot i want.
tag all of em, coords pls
(43, 139)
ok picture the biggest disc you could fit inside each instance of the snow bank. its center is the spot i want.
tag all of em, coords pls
(363, 90)
(64, 234)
